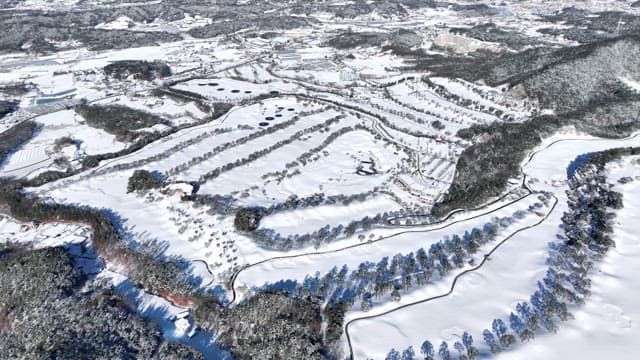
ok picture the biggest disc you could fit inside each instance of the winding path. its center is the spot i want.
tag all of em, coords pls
(443, 220)
(455, 279)
(441, 224)
(486, 256)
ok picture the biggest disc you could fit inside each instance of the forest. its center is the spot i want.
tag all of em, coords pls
(42, 289)
(138, 69)
(293, 324)
(579, 83)
(11, 139)
(119, 120)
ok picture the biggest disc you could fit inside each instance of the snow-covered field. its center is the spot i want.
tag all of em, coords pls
(233, 90)
(509, 277)
(609, 321)
(378, 244)
(305, 121)
(298, 221)
(39, 152)
(43, 235)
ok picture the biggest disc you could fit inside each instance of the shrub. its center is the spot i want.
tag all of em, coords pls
(248, 219)
(143, 180)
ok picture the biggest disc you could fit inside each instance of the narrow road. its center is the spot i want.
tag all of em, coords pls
(486, 256)
(455, 279)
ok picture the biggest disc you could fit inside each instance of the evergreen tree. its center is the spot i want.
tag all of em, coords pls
(490, 340)
(427, 350)
(467, 340)
(499, 328)
(143, 180)
(525, 312)
(408, 354)
(520, 328)
(443, 351)
(393, 355)
(460, 349)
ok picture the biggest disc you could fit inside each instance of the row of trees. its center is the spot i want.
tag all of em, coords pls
(165, 154)
(92, 161)
(243, 140)
(465, 348)
(371, 281)
(441, 111)
(340, 289)
(260, 153)
(313, 154)
(358, 110)
(587, 228)
(473, 105)
(272, 239)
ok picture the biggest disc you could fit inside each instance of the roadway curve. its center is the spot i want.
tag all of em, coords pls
(234, 276)
(455, 279)
(486, 256)
(443, 220)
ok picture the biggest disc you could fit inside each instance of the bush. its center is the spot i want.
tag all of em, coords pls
(438, 125)
(248, 219)
(143, 180)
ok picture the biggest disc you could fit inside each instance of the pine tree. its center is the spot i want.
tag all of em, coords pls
(525, 312)
(443, 351)
(467, 340)
(460, 349)
(499, 328)
(427, 350)
(520, 328)
(490, 340)
(408, 354)
(393, 355)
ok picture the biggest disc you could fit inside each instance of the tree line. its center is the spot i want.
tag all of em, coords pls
(587, 228)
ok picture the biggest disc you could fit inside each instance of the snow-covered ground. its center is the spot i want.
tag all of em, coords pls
(300, 221)
(509, 277)
(174, 321)
(633, 84)
(608, 325)
(42, 235)
(233, 90)
(384, 117)
(39, 152)
(383, 242)
(178, 113)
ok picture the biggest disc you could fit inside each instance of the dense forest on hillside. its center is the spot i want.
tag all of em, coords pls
(42, 289)
(582, 84)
